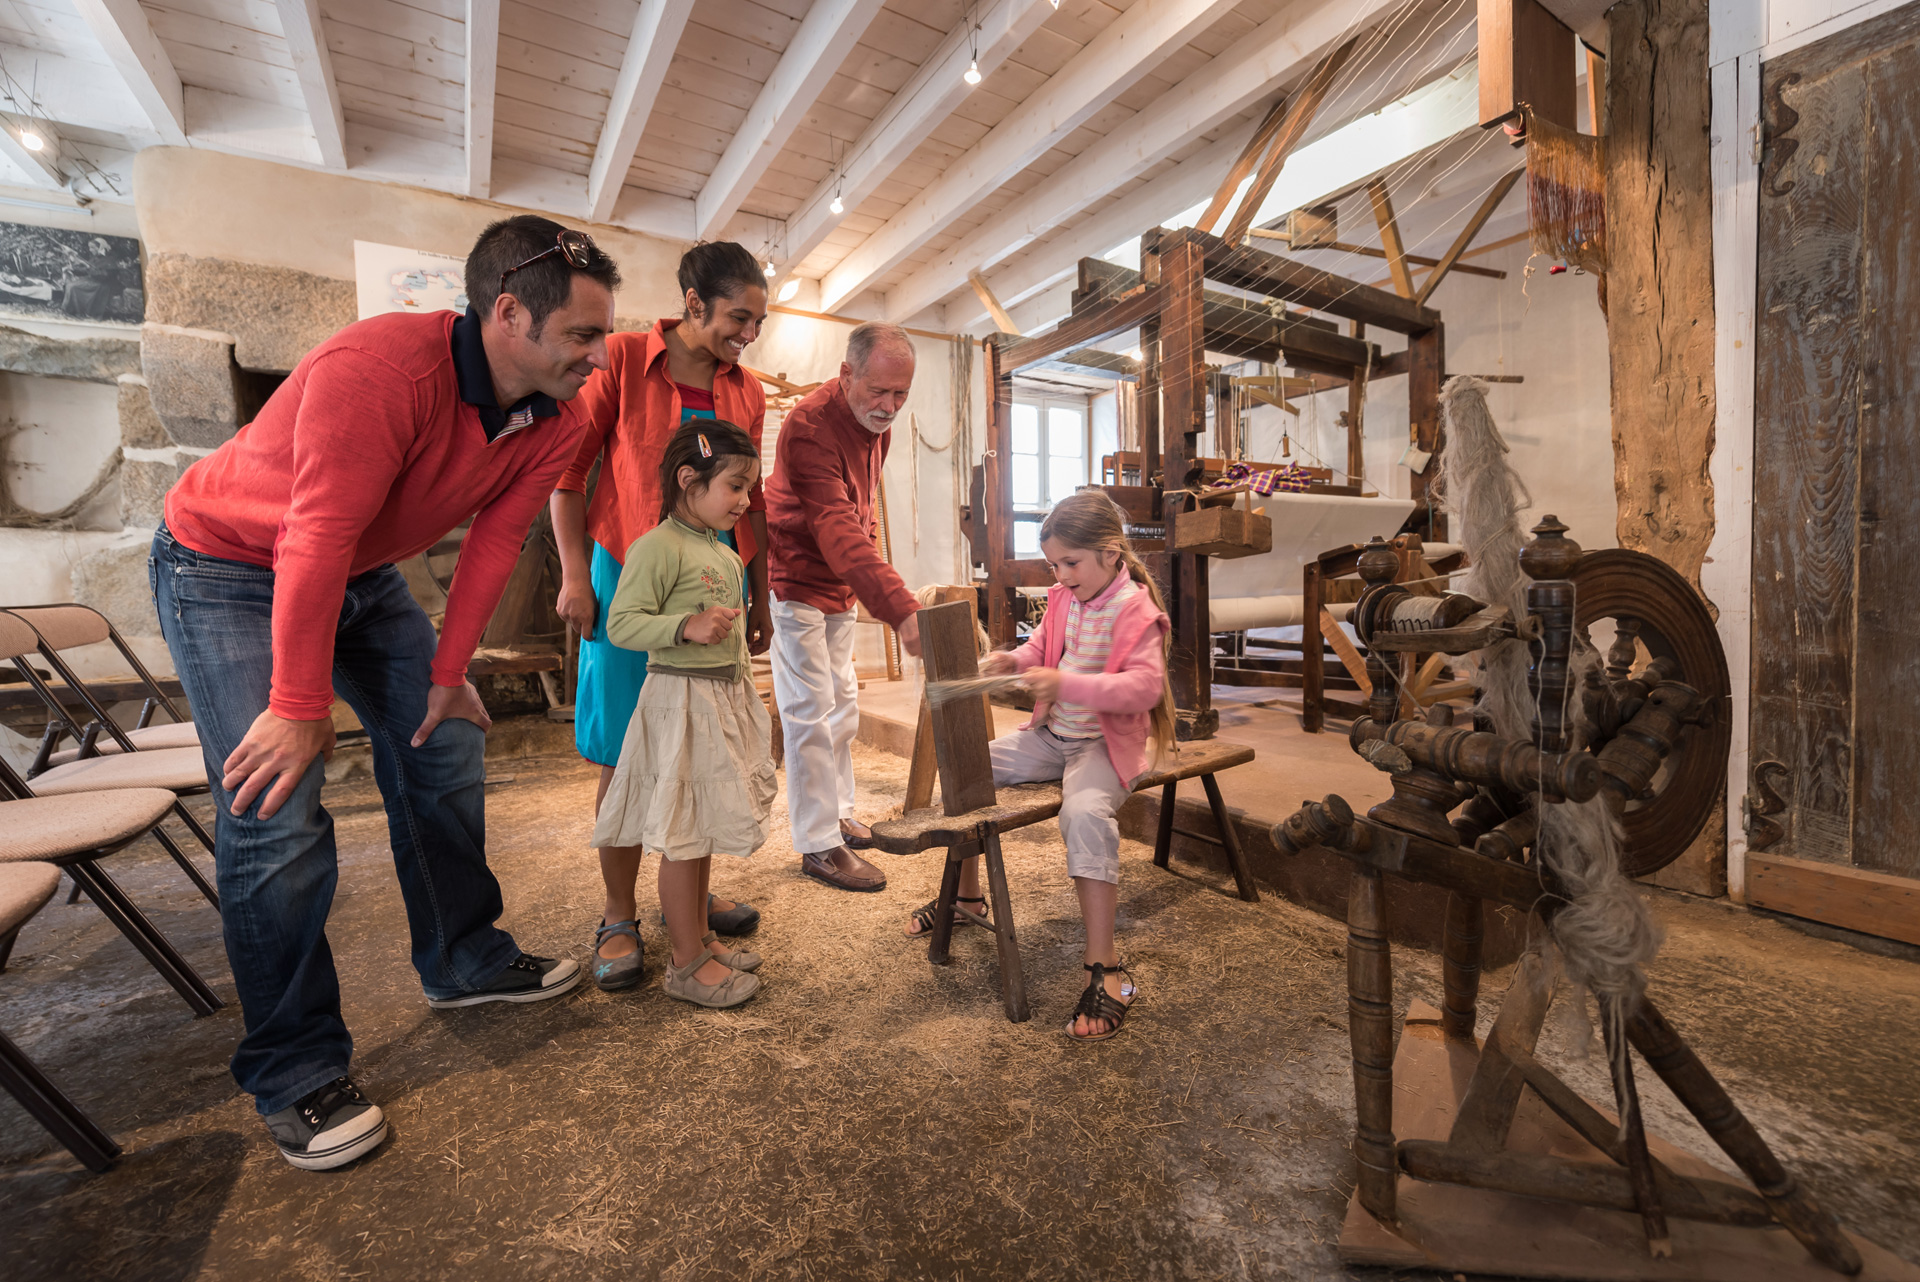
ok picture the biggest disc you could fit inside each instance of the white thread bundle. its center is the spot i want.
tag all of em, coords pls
(1485, 496)
(1415, 613)
(1605, 934)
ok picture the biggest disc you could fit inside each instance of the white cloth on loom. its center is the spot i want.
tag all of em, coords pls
(818, 695)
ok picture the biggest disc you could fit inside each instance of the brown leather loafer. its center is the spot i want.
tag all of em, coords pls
(843, 870)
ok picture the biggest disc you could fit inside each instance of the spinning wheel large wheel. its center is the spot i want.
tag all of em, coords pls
(1646, 599)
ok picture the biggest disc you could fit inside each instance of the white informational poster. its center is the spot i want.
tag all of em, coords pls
(390, 278)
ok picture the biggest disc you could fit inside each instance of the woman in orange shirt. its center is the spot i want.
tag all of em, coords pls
(680, 369)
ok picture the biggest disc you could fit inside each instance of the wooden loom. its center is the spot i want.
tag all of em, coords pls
(1179, 323)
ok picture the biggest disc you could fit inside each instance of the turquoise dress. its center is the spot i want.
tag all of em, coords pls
(610, 678)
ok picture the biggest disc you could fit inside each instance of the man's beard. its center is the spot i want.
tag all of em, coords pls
(874, 423)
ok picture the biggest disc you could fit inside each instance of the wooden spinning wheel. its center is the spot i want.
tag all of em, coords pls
(1444, 1145)
(1648, 602)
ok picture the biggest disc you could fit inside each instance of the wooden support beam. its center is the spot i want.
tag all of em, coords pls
(1256, 147)
(1121, 314)
(313, 68)
(988, 33)
(123, 31)
(1374, 251)
(483, 61)
(1236, 326)
(657, 26)
(1276, 276)
(985, 292)
(813, 56)
(1396, 253)
(1300, 112)
(1450, 261)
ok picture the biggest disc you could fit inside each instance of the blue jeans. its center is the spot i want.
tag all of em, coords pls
(277, 876)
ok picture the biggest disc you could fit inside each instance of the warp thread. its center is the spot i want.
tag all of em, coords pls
(1567, 194)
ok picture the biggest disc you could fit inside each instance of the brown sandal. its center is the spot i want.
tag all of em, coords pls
(923, 915)
(1097, 1003)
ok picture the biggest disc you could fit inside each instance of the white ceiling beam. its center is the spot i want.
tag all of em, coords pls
(1374, 137)
(38, 168)
(928, 98)
(820, 44)
(1239, 78)
(483, 61)
(127, 37)
(313, 68)
(650, 45)
(1110, 64)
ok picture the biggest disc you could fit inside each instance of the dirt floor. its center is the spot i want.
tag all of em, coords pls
(869, 1116)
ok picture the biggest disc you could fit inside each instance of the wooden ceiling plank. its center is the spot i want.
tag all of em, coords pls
(657, 27)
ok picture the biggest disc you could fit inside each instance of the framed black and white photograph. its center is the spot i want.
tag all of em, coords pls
(48, 273)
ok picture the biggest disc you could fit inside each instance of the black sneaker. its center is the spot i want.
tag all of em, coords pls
(526, 979)
(329, 1127)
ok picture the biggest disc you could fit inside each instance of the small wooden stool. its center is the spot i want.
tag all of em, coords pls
(972, 815)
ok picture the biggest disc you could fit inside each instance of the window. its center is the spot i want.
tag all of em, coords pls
(1049, 460)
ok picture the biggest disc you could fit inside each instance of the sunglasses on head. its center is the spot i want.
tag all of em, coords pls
(575, 246)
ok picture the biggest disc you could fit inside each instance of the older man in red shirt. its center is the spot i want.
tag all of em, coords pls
(822, 559)
(274, 578)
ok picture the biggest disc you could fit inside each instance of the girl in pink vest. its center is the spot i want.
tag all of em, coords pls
(1103, 712)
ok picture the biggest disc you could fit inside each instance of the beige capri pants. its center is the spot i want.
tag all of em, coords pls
(1091, 793)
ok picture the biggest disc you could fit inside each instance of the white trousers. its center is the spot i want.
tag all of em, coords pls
(818, 695)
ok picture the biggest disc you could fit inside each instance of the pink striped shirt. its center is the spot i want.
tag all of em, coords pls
(1089, 638)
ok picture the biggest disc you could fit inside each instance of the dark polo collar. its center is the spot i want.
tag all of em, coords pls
(475, 376)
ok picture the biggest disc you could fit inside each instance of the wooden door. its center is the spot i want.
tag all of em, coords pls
(1836, 568)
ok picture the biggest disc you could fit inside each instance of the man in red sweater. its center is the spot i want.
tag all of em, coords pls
(274, 578)
(821, 560)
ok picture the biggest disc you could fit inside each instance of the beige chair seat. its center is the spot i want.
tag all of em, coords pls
(53, 827)
(24, 891)
(174, 734)
(175, 769)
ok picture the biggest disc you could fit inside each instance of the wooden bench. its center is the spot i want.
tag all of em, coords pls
(973, 815)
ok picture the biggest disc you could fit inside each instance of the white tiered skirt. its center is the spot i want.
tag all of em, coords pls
(696, 773)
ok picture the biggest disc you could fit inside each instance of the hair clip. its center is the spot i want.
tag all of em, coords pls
(706, 450)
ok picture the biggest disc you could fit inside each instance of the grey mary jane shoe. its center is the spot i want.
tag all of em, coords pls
(735, 990)
(615, 973)
(738, 959)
